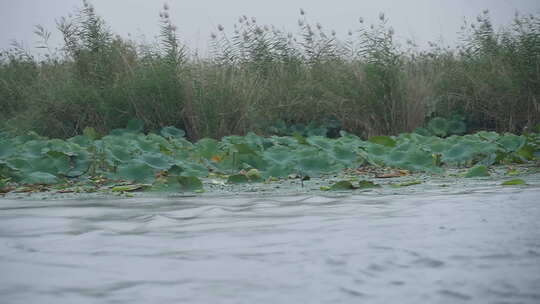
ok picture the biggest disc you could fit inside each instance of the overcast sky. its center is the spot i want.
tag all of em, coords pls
(420, 20)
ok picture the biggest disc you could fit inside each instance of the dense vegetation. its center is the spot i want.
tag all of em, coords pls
(267, 81)
(128, 159)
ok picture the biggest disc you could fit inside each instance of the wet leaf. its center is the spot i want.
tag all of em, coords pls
(189, 183)
(514, 182)
(477, 171)
(342, 185)
(237, 179)
(364, 184)
(127, 188)
(407, 184)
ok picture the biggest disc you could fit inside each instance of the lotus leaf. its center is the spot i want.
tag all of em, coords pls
(364, 184)
(511, 142)
(383, 140)
(172, 132)
(342, 185)
(136, 171)
(477, 171)
(40, 178)
(238, 179)
(514, 182)
(157, 161)
(189, 183)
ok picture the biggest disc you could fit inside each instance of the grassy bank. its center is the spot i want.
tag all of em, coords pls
(268, 81)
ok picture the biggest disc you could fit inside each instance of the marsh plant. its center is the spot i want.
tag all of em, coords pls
(258, 75)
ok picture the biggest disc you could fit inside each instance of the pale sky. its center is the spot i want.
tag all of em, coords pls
(419, 20)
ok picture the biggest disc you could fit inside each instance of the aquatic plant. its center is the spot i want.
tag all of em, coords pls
(132, 160)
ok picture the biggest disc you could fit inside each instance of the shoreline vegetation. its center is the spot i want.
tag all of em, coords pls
(258, 76)
(267, 107)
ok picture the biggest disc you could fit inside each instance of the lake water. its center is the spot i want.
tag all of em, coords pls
(482, 246)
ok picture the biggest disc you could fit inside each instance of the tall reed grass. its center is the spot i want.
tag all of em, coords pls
(258, 75)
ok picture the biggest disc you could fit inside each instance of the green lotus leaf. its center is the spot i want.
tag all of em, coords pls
(127, 188)
(477, 171)
(383, 140)
(91, 133)
(345, 155)
(193, 169)
(489, 136)
(417, 160)
(189, 183)
(18, 164)
(147, 146)
(120, 154)
(278, 171)
(34, 148)
(6, 149)
(514, 182)
(238, 179)
(81, 141)
(342, 185)
(172, 132)
(458, 153)
(244, 149)
(136, 171)
(207, 147)
(279, 155)
(395, 158)
(511, 142)
(320, 142)
(256, 142)
(157, 161)
(526, 152)
(40, 178)
(314, 165)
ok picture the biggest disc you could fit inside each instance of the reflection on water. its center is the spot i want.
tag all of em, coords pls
(479, 247)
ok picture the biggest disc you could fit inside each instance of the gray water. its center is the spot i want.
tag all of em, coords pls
(479, 247)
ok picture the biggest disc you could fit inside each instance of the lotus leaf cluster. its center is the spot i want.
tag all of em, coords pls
(167, 161)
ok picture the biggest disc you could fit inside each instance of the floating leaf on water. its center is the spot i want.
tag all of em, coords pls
(365, 184)
(407, 184)
(342, 185)
(477, 171)
(514, 182)
(237, 179)
(127, 188)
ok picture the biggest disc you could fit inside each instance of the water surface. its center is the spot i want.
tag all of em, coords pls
(480, 247)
